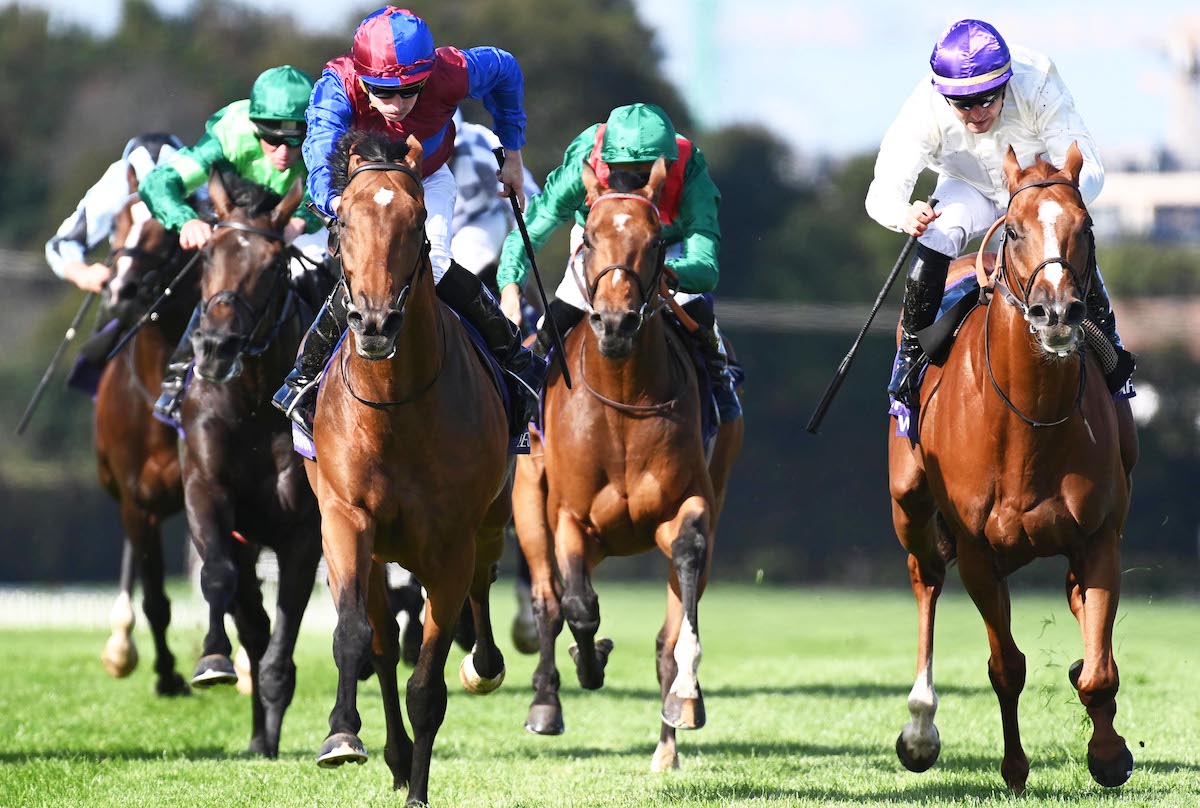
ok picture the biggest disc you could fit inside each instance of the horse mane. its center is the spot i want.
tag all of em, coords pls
(246, 195)
(626, 182)
(374, 147)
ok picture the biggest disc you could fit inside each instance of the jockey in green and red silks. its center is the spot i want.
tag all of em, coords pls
(393, 80)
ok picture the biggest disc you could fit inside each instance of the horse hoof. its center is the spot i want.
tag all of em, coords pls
(920, 761)
(665, 759)
(683, 713)
(339, 748)
(524, 634)
(1074, 671)
(241, 664)
(604, 647)
(214, 669)
(473, 682)
(120, 656)
(545, 719)
(172, 685)
(1111, 773)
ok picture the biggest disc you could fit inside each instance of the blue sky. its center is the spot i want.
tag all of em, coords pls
(829, 77)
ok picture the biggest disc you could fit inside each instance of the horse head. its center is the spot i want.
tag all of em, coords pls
(622, 255)
(383, 245)
(142, 259)
(1047, 250)
(245, 272)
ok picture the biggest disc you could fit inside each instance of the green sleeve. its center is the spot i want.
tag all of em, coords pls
(562, 197)
(166, 188)
(697, 268)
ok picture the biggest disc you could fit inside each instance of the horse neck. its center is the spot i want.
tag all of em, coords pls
(419, 350)
(645, 374)
(1042, 390)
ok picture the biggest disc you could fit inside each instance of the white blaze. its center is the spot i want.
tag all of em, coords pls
(687, 658)
(616, 277)
(620, 220)
(1048, 213)
(383, 196)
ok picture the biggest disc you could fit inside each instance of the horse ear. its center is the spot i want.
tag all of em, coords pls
(288, 205)
(658, 179)
(1012, 169)
(591, 183)
(131, 176)
(1074, 162)
(416, 153)
(219, 196)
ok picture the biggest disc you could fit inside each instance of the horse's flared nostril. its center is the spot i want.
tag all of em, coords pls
(392, 322)
(354, 318)
(631, 321)
(1076, 311)
(1038, 315)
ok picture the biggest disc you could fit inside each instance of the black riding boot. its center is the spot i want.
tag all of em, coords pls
(923, 292)
(712, 347)
(565, 316)
(297, 399)
(167, 406)
(1119, 364)
(526, 373)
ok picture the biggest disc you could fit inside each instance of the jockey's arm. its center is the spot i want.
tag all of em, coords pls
(697, 267)
(86, 227)
(495, 77)
(166, 188)
(904, 152)
(329, 116)
(1061, 125)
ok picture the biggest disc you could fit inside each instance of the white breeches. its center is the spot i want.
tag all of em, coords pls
(568, 290)
(441, 191)
(965, 214)
(313, 245)
(478, 243)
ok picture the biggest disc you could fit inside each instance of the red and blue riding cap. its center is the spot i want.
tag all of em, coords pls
(393, 47)
(970, 58)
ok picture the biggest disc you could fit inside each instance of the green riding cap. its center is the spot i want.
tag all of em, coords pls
(281, 94)
(637, 133)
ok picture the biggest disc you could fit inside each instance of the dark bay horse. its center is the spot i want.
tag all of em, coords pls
(137, 456)
(412, 463)
(622, 467)
(244, 485)
(1022, 454)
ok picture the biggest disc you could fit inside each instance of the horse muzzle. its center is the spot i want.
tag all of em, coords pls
(218, 356)
(375, 331)
(615, 331)
(1058, 325)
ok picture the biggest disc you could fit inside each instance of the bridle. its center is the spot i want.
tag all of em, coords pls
(648, 291)
(1002, 284)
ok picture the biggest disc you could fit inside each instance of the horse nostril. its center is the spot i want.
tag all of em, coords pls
(1037, 314)
(354, 318)
(1076, 311)
(393, 321)
(631, 321)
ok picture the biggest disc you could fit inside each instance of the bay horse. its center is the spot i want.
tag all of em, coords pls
(411, 463)
(621, 466)
(137, 456)
(244, 486)
(1021, 454)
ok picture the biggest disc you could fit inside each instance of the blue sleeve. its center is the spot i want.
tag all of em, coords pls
(328, 116)
(495, 77)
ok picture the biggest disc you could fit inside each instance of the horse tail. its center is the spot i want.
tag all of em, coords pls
(947, 545)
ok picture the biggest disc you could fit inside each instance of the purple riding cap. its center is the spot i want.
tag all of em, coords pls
(970, 58)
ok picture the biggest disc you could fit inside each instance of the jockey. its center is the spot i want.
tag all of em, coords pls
(93, 218)
(981, 99)
(632, 139)
(482, 218)
(260, 138)
(394, 81)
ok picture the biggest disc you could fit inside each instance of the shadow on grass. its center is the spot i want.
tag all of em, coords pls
(127, 755)
(858, 690)
(925, 793)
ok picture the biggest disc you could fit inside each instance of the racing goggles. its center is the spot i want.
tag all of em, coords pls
(966, 103)
(272, 137)
(384, 93)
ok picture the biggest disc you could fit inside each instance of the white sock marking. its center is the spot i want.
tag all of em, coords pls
(687, 658)
(920, 735)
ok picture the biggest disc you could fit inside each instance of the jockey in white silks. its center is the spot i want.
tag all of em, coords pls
(960, 121)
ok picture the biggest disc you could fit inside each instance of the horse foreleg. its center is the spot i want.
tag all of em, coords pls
(482, 670)
(665, 755)
(385, 647)
(157, 607)
(580, 606)
(529, 529)
(426, 696)
(254, 632)
(210, 523)
(120, 656)
(1006, 665)
(683, 705)
(1109, 759)
(348, 535)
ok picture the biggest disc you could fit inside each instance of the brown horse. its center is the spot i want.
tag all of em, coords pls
(137, 456)
(1022, 454)
(624, 465)
(412, 463)
(244, 486)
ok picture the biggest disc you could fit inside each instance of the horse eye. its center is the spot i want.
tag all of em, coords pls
(587, 242)
(1011, 233)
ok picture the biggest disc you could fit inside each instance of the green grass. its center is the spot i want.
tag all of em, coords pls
(805, 691)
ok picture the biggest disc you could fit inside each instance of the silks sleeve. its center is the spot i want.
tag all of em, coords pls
(166, 188)
(329, 114)
(495, 78)
(698, 268)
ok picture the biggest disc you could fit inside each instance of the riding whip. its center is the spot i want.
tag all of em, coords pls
(152, 312)
(558, 341)
(72, 330)
(843, 370)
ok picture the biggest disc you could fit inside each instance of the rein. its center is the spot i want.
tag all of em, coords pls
(997, 282)
(638, 409)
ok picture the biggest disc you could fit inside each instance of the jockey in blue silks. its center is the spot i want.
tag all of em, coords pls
(395, 81)
(981, 99)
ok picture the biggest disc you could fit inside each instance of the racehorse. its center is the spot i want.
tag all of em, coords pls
(137, 456)
(244, 485)
(411, 463)
(1021, 454)
(622, 466)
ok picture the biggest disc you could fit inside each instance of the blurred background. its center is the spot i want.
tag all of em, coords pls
(788, 100)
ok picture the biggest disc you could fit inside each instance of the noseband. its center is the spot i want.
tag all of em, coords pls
(243, 309)
(649, 290)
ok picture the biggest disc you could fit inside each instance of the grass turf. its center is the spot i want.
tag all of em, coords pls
(805, 691)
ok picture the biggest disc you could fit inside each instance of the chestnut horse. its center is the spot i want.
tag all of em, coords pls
(412, 463)
(1021, 454)
(624, 465)
(137, 456)
(244, 486)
